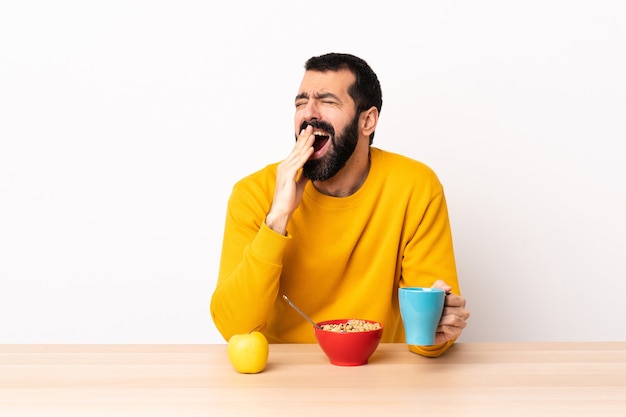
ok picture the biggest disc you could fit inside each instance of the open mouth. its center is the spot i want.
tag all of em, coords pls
(321, 139)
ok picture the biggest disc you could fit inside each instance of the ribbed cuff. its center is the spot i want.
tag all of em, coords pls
(431, 351)
(269, 245)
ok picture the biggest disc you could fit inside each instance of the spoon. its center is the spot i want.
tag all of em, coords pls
(295, 307)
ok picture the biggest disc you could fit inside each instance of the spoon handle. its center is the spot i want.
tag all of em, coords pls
(295, 307)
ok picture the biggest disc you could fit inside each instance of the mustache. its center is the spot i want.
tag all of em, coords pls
(319, 124)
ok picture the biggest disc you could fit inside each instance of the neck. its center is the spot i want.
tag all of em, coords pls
(349, 179)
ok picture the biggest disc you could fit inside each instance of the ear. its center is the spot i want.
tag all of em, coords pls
(369, 120)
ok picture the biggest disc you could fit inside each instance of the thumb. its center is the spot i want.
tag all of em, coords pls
(442, 285)
(302, 180)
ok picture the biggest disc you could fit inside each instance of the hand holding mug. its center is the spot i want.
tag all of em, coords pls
(431, 316)
(454, 316)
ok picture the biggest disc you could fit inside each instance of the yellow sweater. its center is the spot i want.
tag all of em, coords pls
(341, 258)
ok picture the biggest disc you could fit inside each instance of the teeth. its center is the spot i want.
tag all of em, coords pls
(320, 134)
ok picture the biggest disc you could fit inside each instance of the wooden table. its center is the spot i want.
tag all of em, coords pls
(471, 379)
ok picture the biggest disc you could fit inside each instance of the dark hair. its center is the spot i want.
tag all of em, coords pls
(365, 91)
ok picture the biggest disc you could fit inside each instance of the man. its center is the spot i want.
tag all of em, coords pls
(338, 226)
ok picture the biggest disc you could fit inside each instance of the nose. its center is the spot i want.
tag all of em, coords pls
(311, 111)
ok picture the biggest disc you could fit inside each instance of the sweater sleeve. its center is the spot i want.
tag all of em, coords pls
(429, 256)
(250, 268)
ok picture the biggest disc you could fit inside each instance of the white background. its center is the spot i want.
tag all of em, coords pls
(124, 124)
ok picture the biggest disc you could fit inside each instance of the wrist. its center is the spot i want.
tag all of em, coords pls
(277, 223)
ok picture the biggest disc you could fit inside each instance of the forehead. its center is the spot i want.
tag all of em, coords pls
(335, 82)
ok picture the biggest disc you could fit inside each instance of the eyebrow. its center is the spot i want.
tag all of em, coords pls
(318, 96)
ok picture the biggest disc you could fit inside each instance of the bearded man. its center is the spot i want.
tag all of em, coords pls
(338, 225)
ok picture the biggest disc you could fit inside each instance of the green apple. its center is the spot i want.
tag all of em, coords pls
(248, 352)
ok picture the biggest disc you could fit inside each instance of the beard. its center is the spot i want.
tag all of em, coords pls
(342, 148)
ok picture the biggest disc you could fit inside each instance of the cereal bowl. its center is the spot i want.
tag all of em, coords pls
(348, 342)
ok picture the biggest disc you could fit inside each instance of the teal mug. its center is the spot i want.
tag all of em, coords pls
(421, 310)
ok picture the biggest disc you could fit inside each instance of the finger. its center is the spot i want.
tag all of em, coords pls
(455, 319)
(460, 312)
(306, 135)
(446, 333)
(303, 149)
(301, 152)
(453, 300)
(441, 285)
